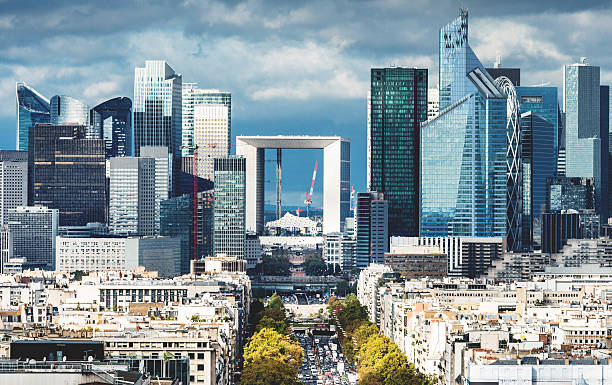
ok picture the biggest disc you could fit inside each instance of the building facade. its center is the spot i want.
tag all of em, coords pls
(163, 176)
(538, 162)
(112, 121)
(132, 196)
(463, 150)
(68, 173)
(211, 133)
(93, 254)
(585, 144)
(32, 108)
(161, 254)
(194, 96)
(396, 108)
(372, 231)
(13, 181)
(157, 109)
(339, 249)
(70, 111)
(177, 221)
(230, 206)
(33, 230)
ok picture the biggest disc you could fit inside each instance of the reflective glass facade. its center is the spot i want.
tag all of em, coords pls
(112, 121)
(157, 109)
(397, 106)
(543, 101)
(230, 207)
(584, 148)
(68, 110)
(570, 194)
(538, 163)
(32, 108)
(68, 173)
(463, 150)
(193, 96)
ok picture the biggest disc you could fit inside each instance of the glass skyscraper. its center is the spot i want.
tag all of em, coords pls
(538, 163)
(112, 121)
(177, 221)
(68, 110)
(32, 108)
(585, 144)
(463, 150)
(193, 96)
(68, 173)
(157, 109)
(230, 207)
(396, 107)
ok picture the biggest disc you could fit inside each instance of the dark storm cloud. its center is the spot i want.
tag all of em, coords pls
(292, 66)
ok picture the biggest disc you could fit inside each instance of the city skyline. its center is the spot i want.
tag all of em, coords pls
(333, 60)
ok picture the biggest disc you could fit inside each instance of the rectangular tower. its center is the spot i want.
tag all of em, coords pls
(13, 181)
(230, 206)
(211, 135)
(372, 234)
(68, 173)
(33, 230)
(584, 145)
(163, 176)
(397, 106)
(157, 108)
(194, 96)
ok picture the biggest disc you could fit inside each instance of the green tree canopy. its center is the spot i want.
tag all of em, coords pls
(267, 372)
(270, 323)
(276, 265)
(268, 344)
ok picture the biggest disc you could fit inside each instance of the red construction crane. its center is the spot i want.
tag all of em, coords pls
(308, 201)
(194, 147)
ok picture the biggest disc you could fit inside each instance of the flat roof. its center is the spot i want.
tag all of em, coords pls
(290, 142)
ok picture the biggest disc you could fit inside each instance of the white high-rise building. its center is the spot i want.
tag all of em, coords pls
(13, 181)
(94, 254)
(163, 177)
(433, 103)
(211, 135)
(193, 96)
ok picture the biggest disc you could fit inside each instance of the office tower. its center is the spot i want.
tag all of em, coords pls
(163, 176)
(211, 135)
(6, 247)
(94, 254)
(463, 150)
(193, 96)
(230, 206)
(161, 254)
(205, 222)
(177, 221)
(606, 155)
(112, 121)
(157, 108)
(252, 251)
(398, 105)
(13, 181)
(68, 173)
(433, 103)
(32, 108)
(132, 196)
(558, 227)
(565, 194)
(584, 142)
(70, 111)
(372, 228)
(544, 102)
(538, 164)
(34, 230)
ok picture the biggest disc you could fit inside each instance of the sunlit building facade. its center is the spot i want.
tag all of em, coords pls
(194, 96)
(32, 108)
(68, 110)
(230, 207)
(463, 150)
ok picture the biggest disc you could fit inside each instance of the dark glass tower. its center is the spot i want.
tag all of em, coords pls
(112, 121)
(397, 106)
(68, 173)
(538, 160)
(177, 221)
(32, 108)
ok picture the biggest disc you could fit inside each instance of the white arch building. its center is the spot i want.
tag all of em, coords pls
(336, 175)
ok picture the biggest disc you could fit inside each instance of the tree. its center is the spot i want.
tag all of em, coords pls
(267, 372)
(268, 344)
(342, 288)
(267, 322)
(276, 265)
(78, 275)
(314, 265)
(275, 302)
(257, 307)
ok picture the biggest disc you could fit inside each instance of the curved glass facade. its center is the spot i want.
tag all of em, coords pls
(463, 150)
(112, 121)
(32, 108)
(68, 110)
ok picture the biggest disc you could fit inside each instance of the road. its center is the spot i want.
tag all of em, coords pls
(324, 363)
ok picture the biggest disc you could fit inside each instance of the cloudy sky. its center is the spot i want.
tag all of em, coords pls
(293, 67)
